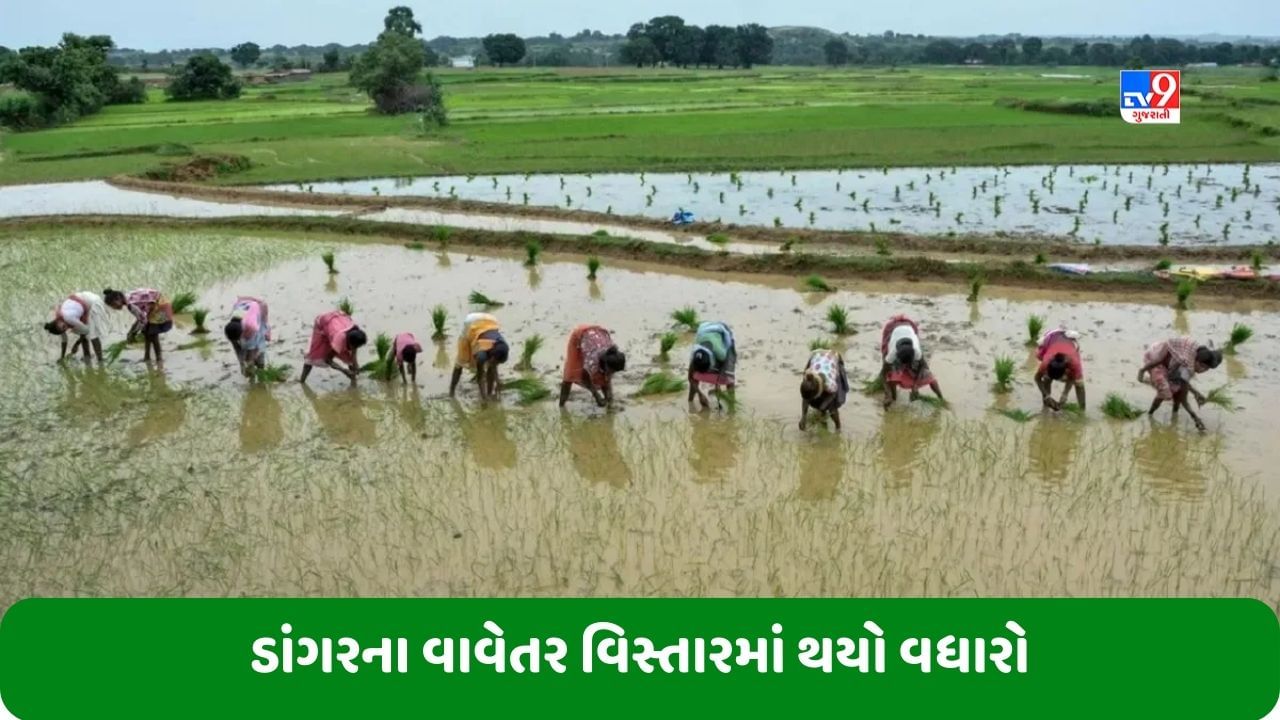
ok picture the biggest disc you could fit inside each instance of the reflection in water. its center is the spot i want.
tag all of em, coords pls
(821, 465)
(341, 414)
(1235, 369)
(332, 285)
(442, 356)
(1175, 457)
(443, 260)
(1053, 445)
(904, 435)
(484, 431)
(593, 291)
(92, 393)
(1181, 324)
(975, 313)
(166, 411)
(409, 405)
(261, 420)
(535, 278)
(715, 446)
(593, 447)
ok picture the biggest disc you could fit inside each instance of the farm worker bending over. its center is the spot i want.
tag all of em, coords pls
(590, 360)
(481, 346)
(904, 363)
(824, 387)
(714, 359)
(1170, 365)
(249, 332)
(405, 353)
(1059, 356)
(335, 336)
(152, 317)
(82, 313)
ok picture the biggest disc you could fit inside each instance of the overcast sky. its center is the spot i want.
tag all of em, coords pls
(157, 24)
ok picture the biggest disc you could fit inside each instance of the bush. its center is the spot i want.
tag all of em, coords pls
(130, 92)
(20, 111)
(204, 77)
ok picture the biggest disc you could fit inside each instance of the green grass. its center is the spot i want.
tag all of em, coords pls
(817, 284)
(439, 320)
(1183, 291)
(272, 374)
(1117, 408)
(686, 317)
(1164, 264)
(329, 262)
(666, 343)
(882, 246)
(718, 239)
(415, 245)
(1004, 368)
(1240, 334)
(532, 251)
(838, 316)
(621, 119)
(1018, 415)
(183, 302)
(593, 267)
(346, 306)
(527, 390)
(1035, 327)
(200, 315)
(478, 298)
(874, 386)
(531, 348)
(660, 383)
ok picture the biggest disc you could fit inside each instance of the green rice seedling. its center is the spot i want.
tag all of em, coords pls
(532, 249)
(1255, 259)
(660, 383)
(1018, 415)
(1073, 409)
(1222, 398)
(197, 344)
(819, 344)
(726, 399)
(528, 390)
(1035, 326)
(1185, 289)
(601, 233)
(665, 344)
(1226, 232)
(817, 284)
(686, 317)
(1240, 334)
(478, 298)
(718, 239)
(1117, 408)
(1164, 234)
(777, 222)
(346, 306)
(1164, 264)
(272, 373)
(975, 288)
(593, 267)
(838, 316)
(183, 302)
(882, 247)
(415, 245)
(1004, 368)
(440, 234)
(200, 315)
(329, 262)
(114, 351)
(786, 246)
(531, 348)
(874, 386)
(1040, 259)
(439, 318)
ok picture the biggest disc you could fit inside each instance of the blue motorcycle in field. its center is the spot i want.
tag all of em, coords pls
(682, 217)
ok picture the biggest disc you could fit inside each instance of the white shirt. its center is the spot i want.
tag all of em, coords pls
(898, 334)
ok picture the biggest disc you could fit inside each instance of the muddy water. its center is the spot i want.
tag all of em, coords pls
(201, 485)
(100, 198)
(1202, 204)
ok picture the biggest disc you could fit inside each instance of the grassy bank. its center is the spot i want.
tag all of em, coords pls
(626, 120)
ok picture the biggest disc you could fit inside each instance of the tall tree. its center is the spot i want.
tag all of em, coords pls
(663, 31)
(1103, 54)
(246, 54)
(719, 46)
(204, 77)
(400, 20)
(1004, 51)
(640, 51)
(504, 48)
(943, 52)
(1032, 47)
(836, 51)
(755, 47)
(686, 47)
(331, 61)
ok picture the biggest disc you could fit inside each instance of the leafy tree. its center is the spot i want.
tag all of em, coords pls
(943, 52)
(63, 83)
(204, 77)
(504, 49)
(640, 52)
(719, 46)
(400, 20)
(664, 31)
(976, 52)
(686, 48)
(1080, 53)
(1103, 54)
(1004, 51)
(246, 54)
(755, 47)
(1056, 56)
(430, 57)
(837, 52)
(331, 61)
(1031, 49)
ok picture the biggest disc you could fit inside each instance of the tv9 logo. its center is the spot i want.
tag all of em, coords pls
(1151, 97)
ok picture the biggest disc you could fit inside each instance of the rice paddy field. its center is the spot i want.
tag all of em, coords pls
(617, 119)
(124, 480)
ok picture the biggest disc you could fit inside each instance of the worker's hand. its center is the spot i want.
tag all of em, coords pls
(1200, 400)
(804, 424)
(1142, 374)
(601, 401)
(1200, 425)
(1052, 404)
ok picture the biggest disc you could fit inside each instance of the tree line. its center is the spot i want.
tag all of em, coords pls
(669, 40)
(59, 84)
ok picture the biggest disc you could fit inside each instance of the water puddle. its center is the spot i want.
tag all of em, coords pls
(100, 198)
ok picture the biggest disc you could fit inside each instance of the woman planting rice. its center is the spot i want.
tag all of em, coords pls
(1169, 366)
(1059, 356)
(713, 361)
(590, 360)
(249, 332)
(904, 363)
(83, 314)
(824, 387)
(405, 354)
(335, 336)
(152, 317)
(482, 347)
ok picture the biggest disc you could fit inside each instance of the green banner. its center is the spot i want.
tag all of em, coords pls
(370, 658)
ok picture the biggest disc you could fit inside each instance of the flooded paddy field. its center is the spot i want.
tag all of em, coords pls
(1180, 205)
(124, 480)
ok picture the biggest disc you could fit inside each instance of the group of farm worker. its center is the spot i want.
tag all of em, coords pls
(592, 357)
